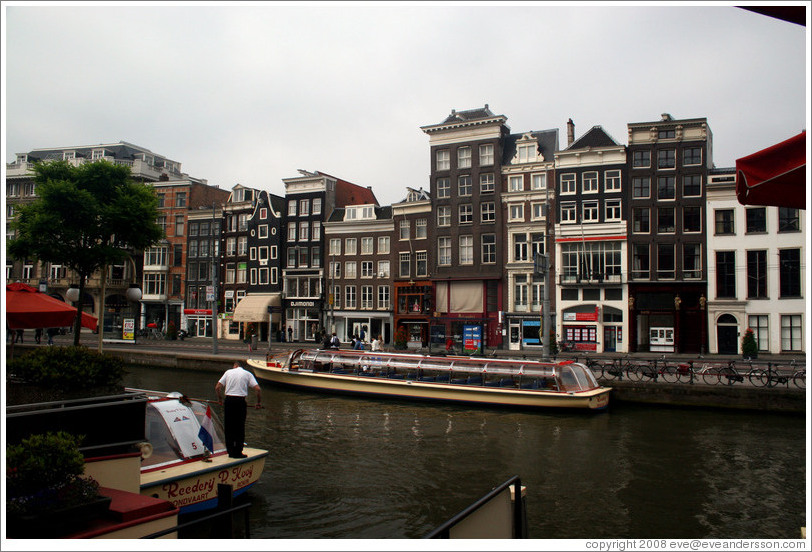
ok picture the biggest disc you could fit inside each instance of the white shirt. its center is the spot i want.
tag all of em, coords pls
(376, 345)
(237, 381)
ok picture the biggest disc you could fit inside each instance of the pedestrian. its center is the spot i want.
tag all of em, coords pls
(38, 335)
(290, 334)
(359, 344)
(235, 384)
(377, 343)
(51, 332)
(363, 335)
(18, 336)
(326, 343)
(334, 342)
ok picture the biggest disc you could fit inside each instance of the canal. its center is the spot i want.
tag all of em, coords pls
(343, 467)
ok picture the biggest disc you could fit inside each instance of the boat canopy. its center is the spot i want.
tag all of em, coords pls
(570, 376)
(172, 429)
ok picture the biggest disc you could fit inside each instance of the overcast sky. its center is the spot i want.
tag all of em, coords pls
(250, 93)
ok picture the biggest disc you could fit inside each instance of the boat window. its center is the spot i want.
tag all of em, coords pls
(165, 448)
(434, 364)
(576, 377)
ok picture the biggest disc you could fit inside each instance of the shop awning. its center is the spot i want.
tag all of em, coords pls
(774, 176)
(254, 307)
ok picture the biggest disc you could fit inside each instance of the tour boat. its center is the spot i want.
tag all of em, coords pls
(484, 381)
(184, 458)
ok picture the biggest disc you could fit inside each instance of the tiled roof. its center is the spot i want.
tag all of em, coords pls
(547, 141)
(468, 115)
(595, 137)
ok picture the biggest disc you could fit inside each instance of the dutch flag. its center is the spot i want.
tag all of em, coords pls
(207, 430)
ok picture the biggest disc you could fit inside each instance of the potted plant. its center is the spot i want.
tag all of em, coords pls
(47, 496)
(171, 331)
(749, 345)
(400, 338)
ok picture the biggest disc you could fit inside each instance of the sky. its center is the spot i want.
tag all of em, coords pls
(251, 92)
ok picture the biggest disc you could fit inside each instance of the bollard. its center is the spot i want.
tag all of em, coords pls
(223, 528)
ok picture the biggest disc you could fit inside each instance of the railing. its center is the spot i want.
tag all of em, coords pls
(594, 278)
(220, 521)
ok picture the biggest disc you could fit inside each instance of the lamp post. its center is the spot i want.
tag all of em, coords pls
(134, 296)
(213, 286)
(72, 295)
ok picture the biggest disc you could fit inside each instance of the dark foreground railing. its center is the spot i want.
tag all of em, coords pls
(488, 518)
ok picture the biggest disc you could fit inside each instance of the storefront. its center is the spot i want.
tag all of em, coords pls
(198, 322)
(580, 327)
(303, 320)
(254, 312)
(524, 331)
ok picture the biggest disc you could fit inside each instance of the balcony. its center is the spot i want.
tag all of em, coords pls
(596, 278)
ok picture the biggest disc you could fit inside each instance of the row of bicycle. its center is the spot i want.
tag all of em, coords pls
(690, 371)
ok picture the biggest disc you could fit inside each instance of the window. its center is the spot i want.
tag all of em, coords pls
(262, 231)
(788, 220)
(383, 245)
(724, 221)
(192, 253)
(665, 187)
(538, 211)
(612, 181)
(405, 265)
(179, 225)
(488, 211)
(757, 274)
(304, 256)
(517, 212)
(665, 261)
(443, 187)
(464, 158)
(335, 269)
(350, 246)
(791, 332)
(349, 297)
(589, 182)
(527, 153)
(612, 209)
(231, 247)
(516, 183)
(692, 156)
(316, 231)
(291, 231)
(405, 229)
(422, 264)
(692, 261)
(641, 159)
(640, 220)
(443, 215)
(640, 261)
(243, 223)
(789, 271)
(759, 323)
(350, 270)
(568, 212)
(756, 220)
(666, 134)
(538, 181)
(590, 213)
(691, 185)
(691, 219)
(304, 207)
(304, 231)
(383, 297)
(337, 297)
(520, 293)
(366, 297)
(568, 183)
(154, 283)
(520, 247)
(242, 245)
(666, 159)
(291, 257)
(443, 160)
(366, 246)
(466, 250)
(486, 154)
(316, 205)
(536, 245)
(488, 248)
(419, 229)
(726, 274)
(180, 199)
(444, 251)
(464, 183)
(466, 213)
(383, 269)
(366, 269)
(292, 204)
(641, 186)
(486, 183)
(335, 246)
(665, 219)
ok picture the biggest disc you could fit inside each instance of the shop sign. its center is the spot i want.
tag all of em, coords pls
(197, 311)
(472, 337)
(128, 329)
(302, 303)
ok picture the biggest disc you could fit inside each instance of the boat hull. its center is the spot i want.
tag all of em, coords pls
(192, 486)
(594, 399)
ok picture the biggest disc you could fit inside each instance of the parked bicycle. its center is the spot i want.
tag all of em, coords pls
(616, 368)
(643, 371)
(674, 372)
(774, 376)
(729, 374)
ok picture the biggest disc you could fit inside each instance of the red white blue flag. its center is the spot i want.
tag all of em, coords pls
(207, 430)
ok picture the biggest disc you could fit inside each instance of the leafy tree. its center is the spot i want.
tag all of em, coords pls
(749, 344)
(85, 217)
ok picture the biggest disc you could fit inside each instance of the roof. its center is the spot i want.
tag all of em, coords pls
(547, 141)
(348, 193)
(381, 213)
(595, 137)
(477, 116)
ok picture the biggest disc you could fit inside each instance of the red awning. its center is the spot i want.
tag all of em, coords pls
(774, 176)
(28, 308)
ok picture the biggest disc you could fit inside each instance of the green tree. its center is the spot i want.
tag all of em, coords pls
(85, 217)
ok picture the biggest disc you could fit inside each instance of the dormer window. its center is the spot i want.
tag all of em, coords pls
(97, 154)
(22, 158)
(527, 153)
(68, 155)
(356, 212)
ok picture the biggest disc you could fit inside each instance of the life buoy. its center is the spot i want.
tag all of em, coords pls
(146, 449)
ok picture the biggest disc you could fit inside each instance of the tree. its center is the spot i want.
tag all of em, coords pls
(85, 217)
(749, 344)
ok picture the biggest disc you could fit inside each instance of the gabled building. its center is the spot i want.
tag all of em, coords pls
(466, 152)
(202, 264)
(528, 192)
(669, 163)
(311, 199)
(591, 241)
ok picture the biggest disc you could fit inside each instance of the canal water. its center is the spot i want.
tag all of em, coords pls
(355, 468)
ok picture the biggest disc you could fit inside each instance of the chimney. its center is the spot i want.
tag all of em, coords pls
(570, 132)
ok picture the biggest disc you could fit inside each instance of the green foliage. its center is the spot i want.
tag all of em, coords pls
(553, 348)
(749, 345)
(171, 331)
(43, 473)
(400, 338)
(68, 369)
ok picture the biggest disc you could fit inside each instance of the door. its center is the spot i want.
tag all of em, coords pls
(515, 337)
(727, 339)
(610, 339)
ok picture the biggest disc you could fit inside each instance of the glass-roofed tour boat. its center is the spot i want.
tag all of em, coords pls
(485, 381)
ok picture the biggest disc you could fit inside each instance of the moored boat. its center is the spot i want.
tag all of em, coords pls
(485, 381)
(178, 467)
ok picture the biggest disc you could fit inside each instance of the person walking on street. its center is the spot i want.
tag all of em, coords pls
(51, 332)
(290, 334)
(235, 384)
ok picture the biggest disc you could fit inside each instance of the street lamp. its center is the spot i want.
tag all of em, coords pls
(134, 296)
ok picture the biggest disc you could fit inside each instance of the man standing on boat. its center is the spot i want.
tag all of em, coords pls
(235, 383)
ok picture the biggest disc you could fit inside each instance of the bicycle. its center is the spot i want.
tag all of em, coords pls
(643, 370)
(672, 373)
(713, 376)
(615, 368)
(772, 377)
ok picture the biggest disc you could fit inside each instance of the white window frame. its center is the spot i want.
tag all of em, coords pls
(443, 160)
(516, 183)
(589, 182)
(611, 181)
(569, 183)
(464, 157)
(485, 154)
(516, 212)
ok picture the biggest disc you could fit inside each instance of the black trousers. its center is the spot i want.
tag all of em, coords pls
(235, 410)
